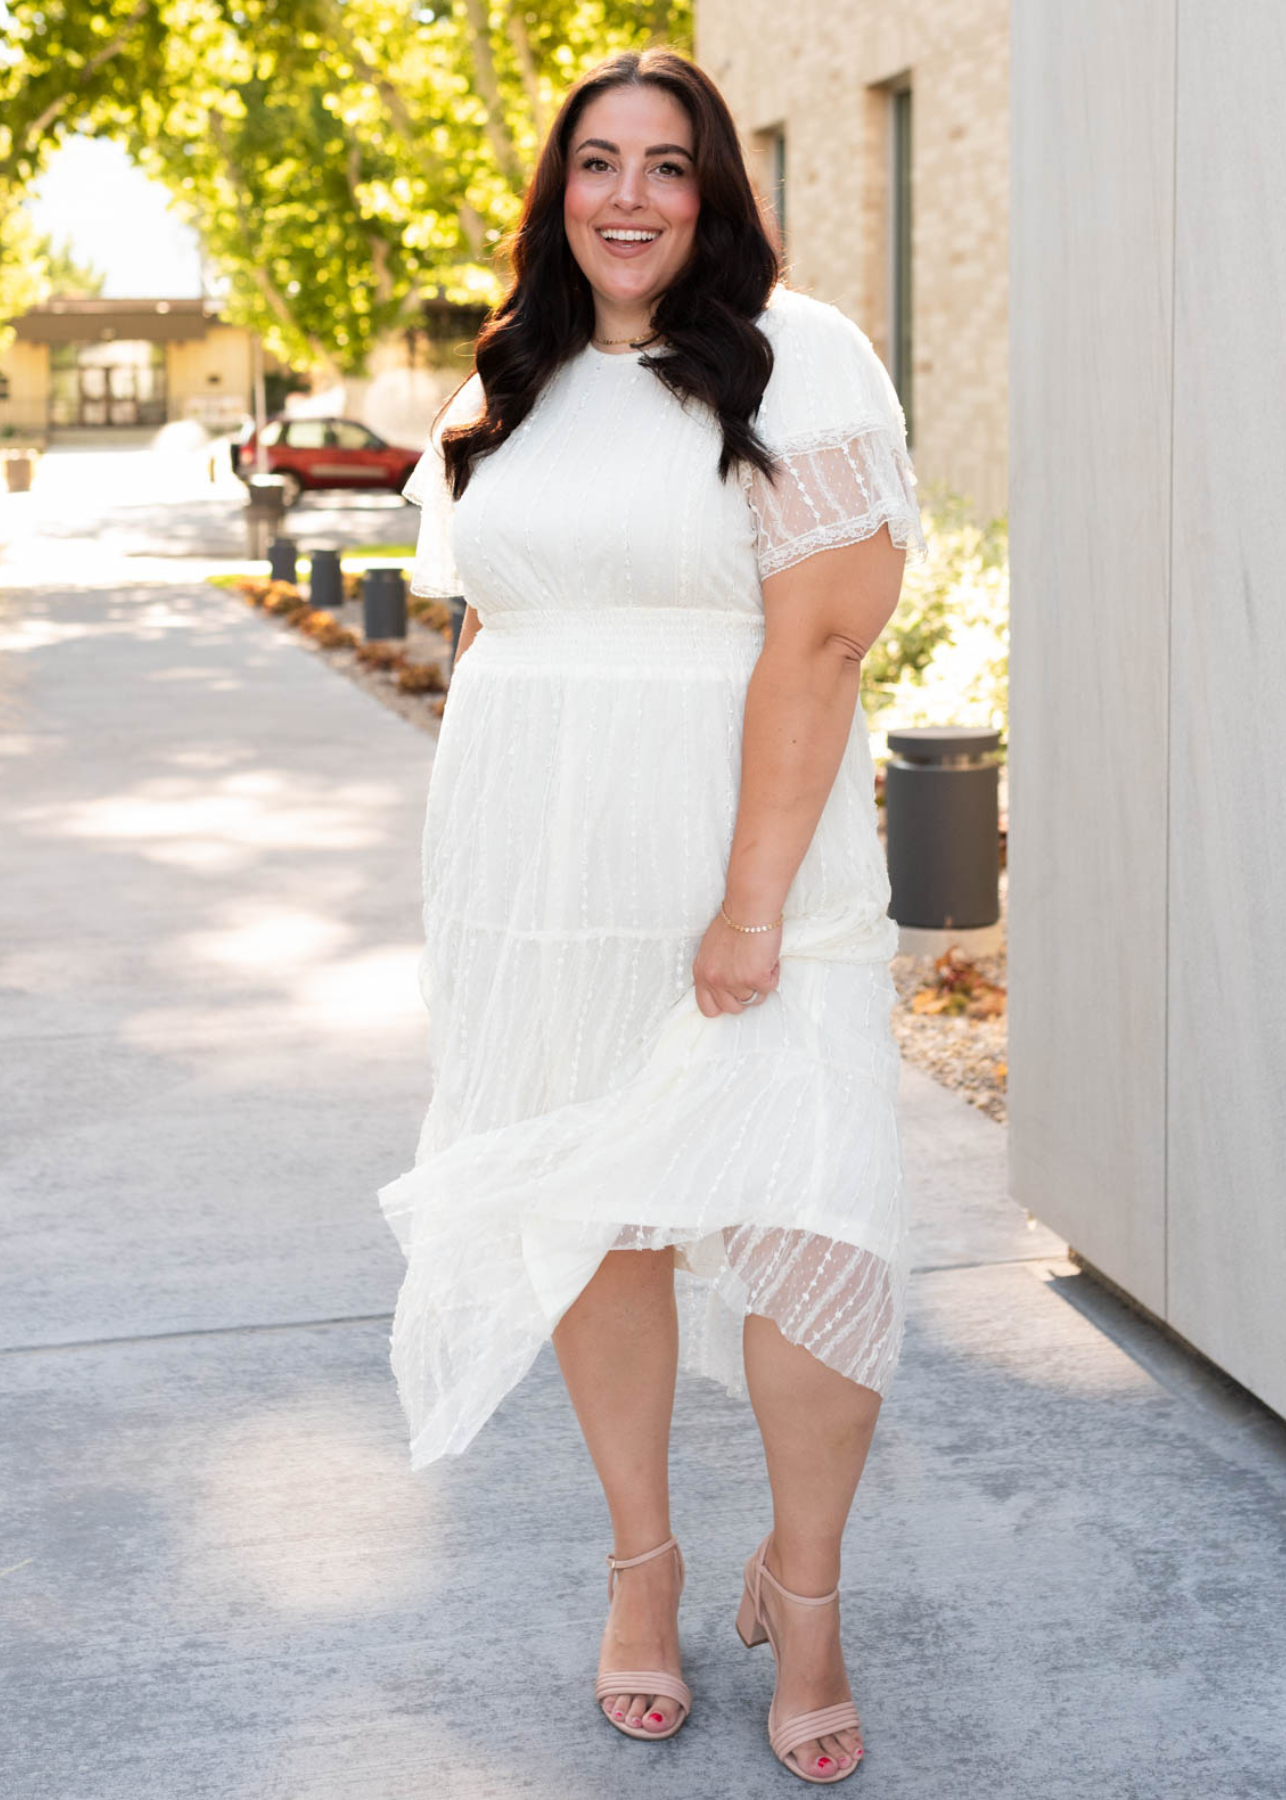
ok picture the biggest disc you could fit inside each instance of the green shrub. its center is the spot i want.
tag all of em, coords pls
(943, 659)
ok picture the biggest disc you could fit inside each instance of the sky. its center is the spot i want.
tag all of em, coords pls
(117, 220)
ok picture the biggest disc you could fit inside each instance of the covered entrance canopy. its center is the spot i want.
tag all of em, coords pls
(107, 358)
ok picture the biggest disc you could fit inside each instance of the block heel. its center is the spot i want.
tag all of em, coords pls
(749, 1627)
(788, 1735)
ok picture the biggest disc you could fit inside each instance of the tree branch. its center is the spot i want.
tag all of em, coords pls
(276, 300)
(38, 127)
(376, 242)
(472, 227)
(498, 134)
(527, 69)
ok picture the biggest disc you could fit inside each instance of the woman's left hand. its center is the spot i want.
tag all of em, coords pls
(732, 966)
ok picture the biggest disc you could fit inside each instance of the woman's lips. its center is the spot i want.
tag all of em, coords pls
(634, 247)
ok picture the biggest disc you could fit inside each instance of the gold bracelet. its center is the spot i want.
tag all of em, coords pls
(777, 921)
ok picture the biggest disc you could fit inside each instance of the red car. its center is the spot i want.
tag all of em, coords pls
(323, 453)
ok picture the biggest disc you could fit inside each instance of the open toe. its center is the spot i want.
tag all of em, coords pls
(655, 1702)
(809, 1744)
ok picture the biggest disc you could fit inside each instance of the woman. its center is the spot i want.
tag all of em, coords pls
(678, 499)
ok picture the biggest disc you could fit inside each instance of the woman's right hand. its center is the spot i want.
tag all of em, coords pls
(733, 965)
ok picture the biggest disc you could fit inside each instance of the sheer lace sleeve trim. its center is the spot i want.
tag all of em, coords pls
(833, 421)
(835, 491)
(434, 575)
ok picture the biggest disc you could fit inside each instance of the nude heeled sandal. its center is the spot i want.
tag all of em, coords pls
(786, 1735)
(643, 1681)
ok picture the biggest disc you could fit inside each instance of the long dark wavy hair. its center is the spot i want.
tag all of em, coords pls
(716, 353)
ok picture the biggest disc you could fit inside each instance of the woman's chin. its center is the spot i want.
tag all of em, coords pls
(628, 288)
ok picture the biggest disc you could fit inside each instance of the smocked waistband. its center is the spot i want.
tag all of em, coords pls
(639, 638)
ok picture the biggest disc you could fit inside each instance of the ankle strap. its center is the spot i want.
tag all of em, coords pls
(628, 1562)
(766, 1574)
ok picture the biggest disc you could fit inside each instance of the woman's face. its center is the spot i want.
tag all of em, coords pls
(630, 168)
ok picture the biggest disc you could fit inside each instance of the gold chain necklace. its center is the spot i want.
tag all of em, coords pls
(635, 343)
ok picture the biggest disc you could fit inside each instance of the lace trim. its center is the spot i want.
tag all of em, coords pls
(834, 489)
(426, 589)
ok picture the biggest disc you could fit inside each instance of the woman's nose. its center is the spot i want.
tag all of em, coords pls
(629, 189)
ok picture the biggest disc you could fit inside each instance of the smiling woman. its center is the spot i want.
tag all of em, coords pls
(630, 208)
(655, 155)
(677, 497)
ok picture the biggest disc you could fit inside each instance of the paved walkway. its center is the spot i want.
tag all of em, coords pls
(1064, 1570)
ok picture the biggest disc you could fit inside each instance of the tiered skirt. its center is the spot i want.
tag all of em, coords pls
(580, 811)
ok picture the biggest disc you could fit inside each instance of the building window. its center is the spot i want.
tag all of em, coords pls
(114, 382)
(772, 163)
(900, 307)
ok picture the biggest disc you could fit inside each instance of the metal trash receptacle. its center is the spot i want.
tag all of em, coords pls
(384, 603)
(942, 825)
(326, 579)
(265, 504)
(281, 560)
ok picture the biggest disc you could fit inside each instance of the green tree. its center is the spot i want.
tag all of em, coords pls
(341, 159)
(23, 280)
(64, 275)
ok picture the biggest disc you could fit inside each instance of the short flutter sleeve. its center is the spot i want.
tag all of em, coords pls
(433, 573)
(831, 416)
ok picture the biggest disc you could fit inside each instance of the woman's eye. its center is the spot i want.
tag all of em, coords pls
(594, 163)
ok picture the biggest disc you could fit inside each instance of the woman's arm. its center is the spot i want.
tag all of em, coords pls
(821, 617)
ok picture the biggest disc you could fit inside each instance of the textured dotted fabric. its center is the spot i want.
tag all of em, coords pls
(579, 815)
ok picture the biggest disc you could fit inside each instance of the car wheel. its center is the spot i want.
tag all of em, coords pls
(291, 487)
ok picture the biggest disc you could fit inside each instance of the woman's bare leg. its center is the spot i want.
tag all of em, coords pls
(618, 1347)
(816, 1426)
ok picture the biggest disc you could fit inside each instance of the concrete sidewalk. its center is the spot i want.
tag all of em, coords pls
(1064, 1571)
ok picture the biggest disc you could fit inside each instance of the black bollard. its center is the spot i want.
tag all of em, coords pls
(457, 603)
(281, 559)
(326, 581)
(942, 826)
(384, 603)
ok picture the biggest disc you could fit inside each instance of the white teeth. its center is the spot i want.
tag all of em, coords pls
(630, 237)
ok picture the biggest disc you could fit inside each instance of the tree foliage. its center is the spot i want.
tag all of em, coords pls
(340, 159)
(64, 274)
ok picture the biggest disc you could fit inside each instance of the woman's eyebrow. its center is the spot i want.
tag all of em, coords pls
(652, 149)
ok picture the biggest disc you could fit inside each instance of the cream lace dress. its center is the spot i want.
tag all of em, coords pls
(580, 812)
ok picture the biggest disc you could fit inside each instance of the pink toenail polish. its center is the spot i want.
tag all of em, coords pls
(823, 1762)
(618, 1715)
(659, 1717)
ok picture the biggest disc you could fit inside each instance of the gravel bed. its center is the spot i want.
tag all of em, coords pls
(970, 1055)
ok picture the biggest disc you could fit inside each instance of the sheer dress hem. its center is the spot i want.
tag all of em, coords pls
(706, 1146)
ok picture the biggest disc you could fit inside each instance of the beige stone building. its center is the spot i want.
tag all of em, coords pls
(111, 363)
(880, 132)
